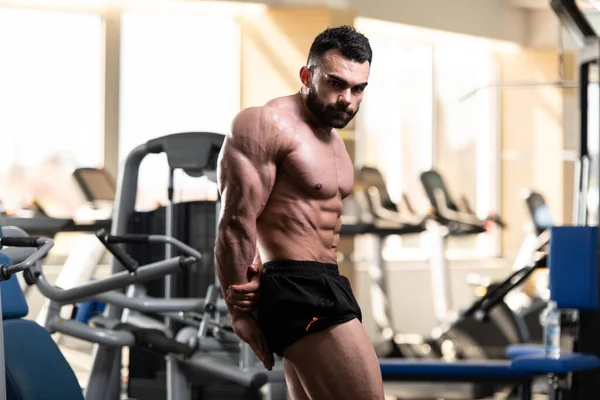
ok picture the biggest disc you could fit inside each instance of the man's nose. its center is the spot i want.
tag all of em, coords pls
(345, 97)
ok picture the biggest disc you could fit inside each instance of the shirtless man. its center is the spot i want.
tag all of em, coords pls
(283, 172)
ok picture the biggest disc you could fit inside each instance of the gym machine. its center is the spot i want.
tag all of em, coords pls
(371, 202)
(489, 325)
(98, 190)
(109, 333)
(202, 343)
(448, 220)
(31, 365)
(586, 384)
(196, 154)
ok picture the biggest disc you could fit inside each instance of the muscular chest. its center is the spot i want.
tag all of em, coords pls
(322, 169)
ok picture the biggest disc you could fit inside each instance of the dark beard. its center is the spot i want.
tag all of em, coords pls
(327, 115)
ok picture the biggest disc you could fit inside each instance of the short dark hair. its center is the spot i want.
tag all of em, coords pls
(351, 43)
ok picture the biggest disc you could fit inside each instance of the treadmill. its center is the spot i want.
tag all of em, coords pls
(478, 332)
(98, 189)
(379, 218)
(376, 215)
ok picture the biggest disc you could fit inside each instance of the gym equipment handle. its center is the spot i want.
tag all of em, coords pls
(149, 304)
(128, 262)
(156, 340)
(220, 367)
(139, 239)
(79, 330)
(147, 239)
(43, 244)
(119, 280)
(27, 241)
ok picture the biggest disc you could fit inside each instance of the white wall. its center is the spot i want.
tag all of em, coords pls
(530, 23)
(543, 29)
(494, 19)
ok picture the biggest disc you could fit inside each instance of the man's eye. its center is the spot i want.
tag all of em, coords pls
(336, 84)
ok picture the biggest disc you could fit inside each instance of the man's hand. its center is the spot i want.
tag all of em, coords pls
(247, 329)
(244, 297)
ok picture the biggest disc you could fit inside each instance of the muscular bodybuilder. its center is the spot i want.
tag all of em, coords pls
(283, 172)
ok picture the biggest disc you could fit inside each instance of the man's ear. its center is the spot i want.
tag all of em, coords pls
(305, 76)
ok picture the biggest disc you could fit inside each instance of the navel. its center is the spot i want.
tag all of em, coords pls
(318, 186)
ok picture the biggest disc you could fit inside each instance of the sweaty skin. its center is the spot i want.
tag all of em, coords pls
(282, 188)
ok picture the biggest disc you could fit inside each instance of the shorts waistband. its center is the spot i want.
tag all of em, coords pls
(300, 267)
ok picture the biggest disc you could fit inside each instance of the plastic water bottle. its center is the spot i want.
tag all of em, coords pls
(550, 320)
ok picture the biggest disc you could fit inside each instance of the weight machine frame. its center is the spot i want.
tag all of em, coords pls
(586, 385)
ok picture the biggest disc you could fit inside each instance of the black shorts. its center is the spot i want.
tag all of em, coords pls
(302, 297)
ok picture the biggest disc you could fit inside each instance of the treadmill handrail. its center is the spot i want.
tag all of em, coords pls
(448, 213)
(383, 213)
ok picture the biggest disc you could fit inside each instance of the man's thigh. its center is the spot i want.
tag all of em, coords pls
(339, 362)
(294, 386)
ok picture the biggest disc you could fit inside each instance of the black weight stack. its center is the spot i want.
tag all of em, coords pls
(194, 223)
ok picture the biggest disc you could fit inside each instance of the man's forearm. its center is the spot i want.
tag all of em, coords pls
(234, 252)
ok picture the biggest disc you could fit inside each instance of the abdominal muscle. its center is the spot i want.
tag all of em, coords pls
(300, 230)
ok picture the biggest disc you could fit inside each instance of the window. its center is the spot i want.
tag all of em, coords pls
(413, 118)
(466, 132)
(395, 123)
(180, 72)
(51, 98)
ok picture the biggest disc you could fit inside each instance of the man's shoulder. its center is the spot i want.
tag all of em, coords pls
(273, 120)
(261, 119)
(268, 125)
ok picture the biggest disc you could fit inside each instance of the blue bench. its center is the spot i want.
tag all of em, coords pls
(35, 367)
(539, 364)
(461, 370)
(488, 372)
(519, 350)
(520, 371)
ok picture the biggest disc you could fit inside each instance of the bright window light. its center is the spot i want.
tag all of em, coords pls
(179, 73)
(51, 80)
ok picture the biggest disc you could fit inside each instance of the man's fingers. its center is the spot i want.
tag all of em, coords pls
(269, 360)
(242, 301)
(234, 297)
(244, 288)
(256, 348)
(266, 358)
(242, 294)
